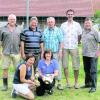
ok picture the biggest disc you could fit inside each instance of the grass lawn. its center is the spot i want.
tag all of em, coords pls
(66, 94)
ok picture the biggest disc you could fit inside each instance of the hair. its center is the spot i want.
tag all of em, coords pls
(46, 52)
(88, 19)
(12, 15)
(34, 18)
(28, 56)
(50, 18)
(70, 10)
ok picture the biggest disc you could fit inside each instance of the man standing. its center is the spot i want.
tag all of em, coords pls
(90, 40)
(71, 31)
(31, 41)
(10, 39)
(53, 40)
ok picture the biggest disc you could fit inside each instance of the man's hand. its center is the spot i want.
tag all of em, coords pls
(23, 56)
(98, 53)
(60, 54)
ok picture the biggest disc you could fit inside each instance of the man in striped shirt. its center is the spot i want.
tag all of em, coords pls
(31, 41)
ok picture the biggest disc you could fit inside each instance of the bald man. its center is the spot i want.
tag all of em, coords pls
(10, 39)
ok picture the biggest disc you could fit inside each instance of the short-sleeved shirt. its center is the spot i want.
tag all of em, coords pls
(10, 40)
(70, 33)
(52, 38)
(32, 40)
(90, 40)
(48, 69)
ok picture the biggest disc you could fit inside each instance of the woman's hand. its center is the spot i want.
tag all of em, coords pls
(98, 53)
(43, 78)
(30, 82)
(52, 76)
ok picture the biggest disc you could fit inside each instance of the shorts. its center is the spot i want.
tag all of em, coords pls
(7, 59)
(21, 88)
(74, 57)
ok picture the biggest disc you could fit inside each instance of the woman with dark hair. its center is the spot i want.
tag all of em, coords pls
(24, 82)
(48, 70)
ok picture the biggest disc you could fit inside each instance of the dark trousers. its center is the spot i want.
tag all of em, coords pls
(41, 89)
(90, 68)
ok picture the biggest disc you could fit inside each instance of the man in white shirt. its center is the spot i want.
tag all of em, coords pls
(71, 31)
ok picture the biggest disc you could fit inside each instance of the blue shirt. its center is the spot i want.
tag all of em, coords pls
(52, 38)
(32, 40)
(48, 69)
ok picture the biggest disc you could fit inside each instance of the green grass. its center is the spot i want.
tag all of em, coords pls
(66, 94)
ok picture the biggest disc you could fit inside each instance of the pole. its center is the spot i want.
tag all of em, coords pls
(27, 13)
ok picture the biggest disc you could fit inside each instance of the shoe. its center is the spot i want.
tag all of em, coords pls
(68, 86)
(50, 92)
(5, 88)
(76, 86)
(85, 86)
(92, 90)
(13, 93)
(59, 87)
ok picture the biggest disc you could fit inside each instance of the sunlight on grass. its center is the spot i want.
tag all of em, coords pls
(66, 94)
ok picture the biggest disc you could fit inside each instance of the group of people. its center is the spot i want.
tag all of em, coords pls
(47, 52)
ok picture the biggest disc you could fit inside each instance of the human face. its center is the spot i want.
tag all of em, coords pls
(48, 56)
(33, 24)
(88, 25)
(12, 20)
(70, 15)
(30, 61)
(51, 23)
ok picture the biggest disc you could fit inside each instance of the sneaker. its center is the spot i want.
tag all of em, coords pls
(50, 92)
(92, 90)
(13, 93)
(59, 87)
(68, 86)
(76, 86)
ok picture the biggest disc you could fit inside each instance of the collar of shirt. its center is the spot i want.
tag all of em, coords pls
(50, 61)
(51, 29)
(36, 29)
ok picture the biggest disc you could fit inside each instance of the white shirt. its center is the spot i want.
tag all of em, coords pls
(71, 32)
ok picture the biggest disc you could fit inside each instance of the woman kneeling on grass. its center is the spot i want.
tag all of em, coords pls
(48, 70)
(24, 81)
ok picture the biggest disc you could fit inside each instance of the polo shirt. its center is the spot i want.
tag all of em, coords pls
(48, 69)
(32, 40)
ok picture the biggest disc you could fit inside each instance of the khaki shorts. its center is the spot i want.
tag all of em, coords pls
(7, 59)
(74, 57)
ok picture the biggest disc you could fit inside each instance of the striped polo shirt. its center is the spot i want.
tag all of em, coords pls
(32, 40)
